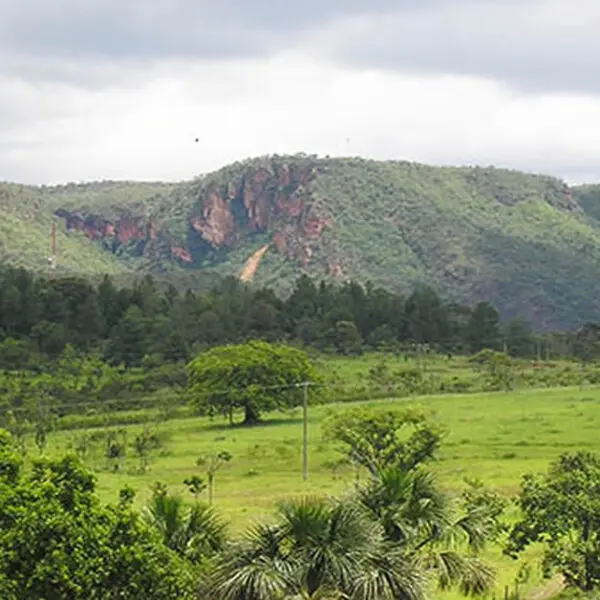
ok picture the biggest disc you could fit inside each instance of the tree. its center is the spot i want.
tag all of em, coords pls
(14, 354)
(115, 449)
(255, 377)
(562, 510)
(143, 444)
(518, 338)
(58, 541)
(128, 341)
(212, 463)
(192, 531)
(377, 440)
(318, 548)
(44, 423)
(195, 485)
(442, 535)
(483, 329)
(586, 345)
(302, 302)
(426, 318)
(346, 338)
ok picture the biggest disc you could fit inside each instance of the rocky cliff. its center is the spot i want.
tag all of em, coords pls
(274, 200)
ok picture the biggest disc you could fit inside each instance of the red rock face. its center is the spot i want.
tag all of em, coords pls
(335, 270)
(313, 227)
(128, 229)
(274, 200)
(215, 224)
(279, 241)
(152, 230)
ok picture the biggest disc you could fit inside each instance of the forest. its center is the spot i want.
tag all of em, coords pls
(148, 323)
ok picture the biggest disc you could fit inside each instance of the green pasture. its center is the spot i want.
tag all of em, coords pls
(495, 437)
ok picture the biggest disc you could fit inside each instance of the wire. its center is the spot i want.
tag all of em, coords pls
(156, 401)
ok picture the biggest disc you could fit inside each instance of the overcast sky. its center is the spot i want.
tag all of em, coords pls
(112, 89)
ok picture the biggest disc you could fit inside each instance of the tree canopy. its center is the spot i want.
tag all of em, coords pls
(562, 509)
(122, 325)
(377, 440)
(254, 377)
(58, 541)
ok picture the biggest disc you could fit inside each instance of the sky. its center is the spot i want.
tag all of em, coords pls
(115, 89)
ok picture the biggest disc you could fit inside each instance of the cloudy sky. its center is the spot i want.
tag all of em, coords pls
(105, 89)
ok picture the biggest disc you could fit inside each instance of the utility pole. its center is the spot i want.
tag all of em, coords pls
(305, 432)
(52, 259)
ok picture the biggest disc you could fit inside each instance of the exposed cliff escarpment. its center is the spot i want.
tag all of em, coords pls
(274, 200)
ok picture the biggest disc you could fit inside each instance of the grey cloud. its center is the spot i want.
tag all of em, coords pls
(537, 46)
(88, 41)
(163, 28)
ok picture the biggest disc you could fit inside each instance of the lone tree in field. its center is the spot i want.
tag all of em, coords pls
(377, 440)
(254, 377)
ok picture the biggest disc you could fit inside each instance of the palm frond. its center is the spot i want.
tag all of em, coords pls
(261, 578)
(388, 574)
(166, 514)
(205, 532)
(471, 575)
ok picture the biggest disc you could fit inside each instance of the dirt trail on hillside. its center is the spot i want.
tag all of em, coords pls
(252, 264)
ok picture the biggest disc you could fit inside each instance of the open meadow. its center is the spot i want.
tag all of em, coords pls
(495, 437)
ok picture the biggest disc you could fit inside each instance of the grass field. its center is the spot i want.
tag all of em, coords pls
(495, 437)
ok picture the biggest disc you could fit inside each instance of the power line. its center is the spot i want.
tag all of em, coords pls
(304, 385)
(157, 403)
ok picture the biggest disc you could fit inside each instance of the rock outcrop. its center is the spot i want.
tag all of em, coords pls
(272, 199)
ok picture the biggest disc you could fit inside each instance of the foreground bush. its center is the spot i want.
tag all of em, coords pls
(57, 540)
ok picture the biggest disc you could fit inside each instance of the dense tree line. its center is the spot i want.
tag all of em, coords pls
(144, 322)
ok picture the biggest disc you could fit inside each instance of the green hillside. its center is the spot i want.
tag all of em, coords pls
(588, 197)
(526, 242)
(27, 216)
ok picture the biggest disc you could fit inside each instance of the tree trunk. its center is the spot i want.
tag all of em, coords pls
(250, 415)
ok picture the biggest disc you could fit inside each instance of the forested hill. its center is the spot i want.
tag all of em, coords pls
(527, 243)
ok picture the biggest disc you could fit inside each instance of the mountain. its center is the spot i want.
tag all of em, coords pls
(588, 197)
(528, 243)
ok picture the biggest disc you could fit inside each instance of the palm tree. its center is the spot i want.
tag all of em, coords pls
(418, 517)
(318, 549)
(191, 531)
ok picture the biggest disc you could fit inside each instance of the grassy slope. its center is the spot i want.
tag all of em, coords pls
(471, 233)
(26, 224)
